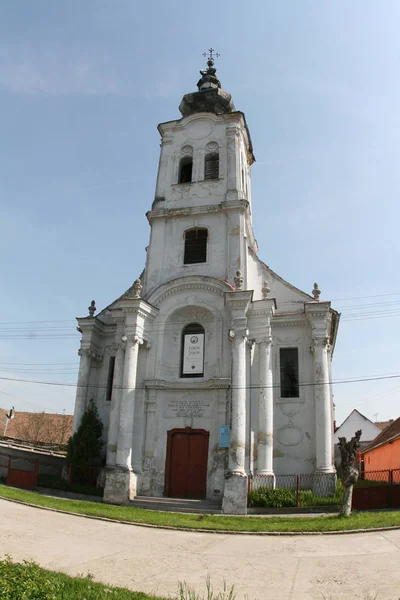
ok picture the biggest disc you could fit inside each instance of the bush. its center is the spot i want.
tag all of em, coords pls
(25, 581)
(308, 498)
(56, 483)
(84, 447)
(272, 498)
(282, 497)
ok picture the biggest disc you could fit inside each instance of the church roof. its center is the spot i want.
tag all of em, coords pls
(210, 96)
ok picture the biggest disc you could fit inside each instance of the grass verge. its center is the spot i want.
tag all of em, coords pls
(367, 520)
(28, 581)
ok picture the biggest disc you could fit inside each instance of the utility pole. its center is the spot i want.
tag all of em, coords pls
(8, 419)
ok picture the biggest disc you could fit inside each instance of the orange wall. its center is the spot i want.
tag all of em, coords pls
(383, 457)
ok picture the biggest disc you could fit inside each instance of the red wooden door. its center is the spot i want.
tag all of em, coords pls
(186, 472)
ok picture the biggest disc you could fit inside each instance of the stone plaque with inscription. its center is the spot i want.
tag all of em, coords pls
(187, 407)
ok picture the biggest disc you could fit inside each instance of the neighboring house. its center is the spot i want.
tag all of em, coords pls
(383, 424)
(353, 423)
(35, 443)
(35, 429)
(384, 451)
(211, 366)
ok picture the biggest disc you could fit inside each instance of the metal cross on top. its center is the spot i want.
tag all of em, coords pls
(211, 55)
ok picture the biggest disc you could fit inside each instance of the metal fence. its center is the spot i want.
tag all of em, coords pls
(296, 490)
(377, 489)
(29, 473)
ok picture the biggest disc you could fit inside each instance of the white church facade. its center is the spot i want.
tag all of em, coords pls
(211, 367)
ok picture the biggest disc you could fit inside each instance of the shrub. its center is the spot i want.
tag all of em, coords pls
(272, 498)
(84, 447)
(25, 581)
(56, 483)
(282, 497)
(308, 498)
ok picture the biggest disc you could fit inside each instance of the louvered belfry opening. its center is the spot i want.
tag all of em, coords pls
(195, 246)
(185, 170)
(211, 166)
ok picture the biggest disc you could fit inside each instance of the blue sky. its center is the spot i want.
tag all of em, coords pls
(83, 85)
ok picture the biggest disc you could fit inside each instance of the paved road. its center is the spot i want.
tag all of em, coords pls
(365, 566)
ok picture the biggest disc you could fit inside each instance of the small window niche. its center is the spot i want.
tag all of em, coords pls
(195, 246)
(289, 372)
(192, 353)
(185, 170)
(211, 161)
(110, 378)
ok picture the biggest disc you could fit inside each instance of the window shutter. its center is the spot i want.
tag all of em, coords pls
(195, 246)
(211, 166)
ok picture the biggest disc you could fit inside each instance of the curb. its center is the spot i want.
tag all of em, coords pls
(199, 530)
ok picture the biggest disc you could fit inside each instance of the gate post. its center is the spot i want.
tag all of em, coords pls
(389, 489)
(36, 471)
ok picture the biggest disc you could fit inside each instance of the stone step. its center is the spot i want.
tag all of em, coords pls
(182, 505)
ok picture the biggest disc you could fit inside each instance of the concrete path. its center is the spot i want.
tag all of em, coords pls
(365, 566)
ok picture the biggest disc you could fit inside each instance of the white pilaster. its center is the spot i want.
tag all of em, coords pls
(127, 408)
(319, 316)
(235, 491)
(238, 427)
(232, 148)
(323, 412)
(82, 387)
(265, 433)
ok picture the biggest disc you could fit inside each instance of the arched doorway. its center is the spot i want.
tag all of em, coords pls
(186, 463)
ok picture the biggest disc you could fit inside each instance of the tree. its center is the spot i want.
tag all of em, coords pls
(347, 471)
(84, 447)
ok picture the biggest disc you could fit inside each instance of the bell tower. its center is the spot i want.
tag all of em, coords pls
(201, 215)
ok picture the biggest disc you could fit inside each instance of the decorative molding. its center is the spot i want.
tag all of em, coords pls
(212, 147)
(186, 151)
(283, 323)
(268, 339)
(171, 213)
(91, 353)
(189, 286)
(210, 384)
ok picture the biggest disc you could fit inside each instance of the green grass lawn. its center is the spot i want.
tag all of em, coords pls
(210, 522)
(27, 581)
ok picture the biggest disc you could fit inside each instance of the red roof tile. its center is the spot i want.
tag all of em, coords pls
(43, 428)
(392, 432)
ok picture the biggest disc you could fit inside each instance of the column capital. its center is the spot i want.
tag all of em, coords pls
(90, 353)
(237, 334)
(264, 340)
(321, 342)
(133, 338)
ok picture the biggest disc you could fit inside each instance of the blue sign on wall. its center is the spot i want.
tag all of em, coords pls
(224, 434)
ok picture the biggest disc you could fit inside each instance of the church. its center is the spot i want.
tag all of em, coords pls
(211, 368)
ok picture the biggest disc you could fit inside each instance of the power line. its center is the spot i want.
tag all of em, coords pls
(308, 384)
(37, 364)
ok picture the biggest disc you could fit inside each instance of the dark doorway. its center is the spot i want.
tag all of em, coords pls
(186, 464)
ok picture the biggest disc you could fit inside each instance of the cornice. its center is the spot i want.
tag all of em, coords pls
(94, 325)
(289, 323)
(161, 384)
(172, 213)
(139, 307)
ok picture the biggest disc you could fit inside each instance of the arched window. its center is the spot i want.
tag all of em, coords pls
(195, 246)
(192, 353)
(211, 166)
(185, 169)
